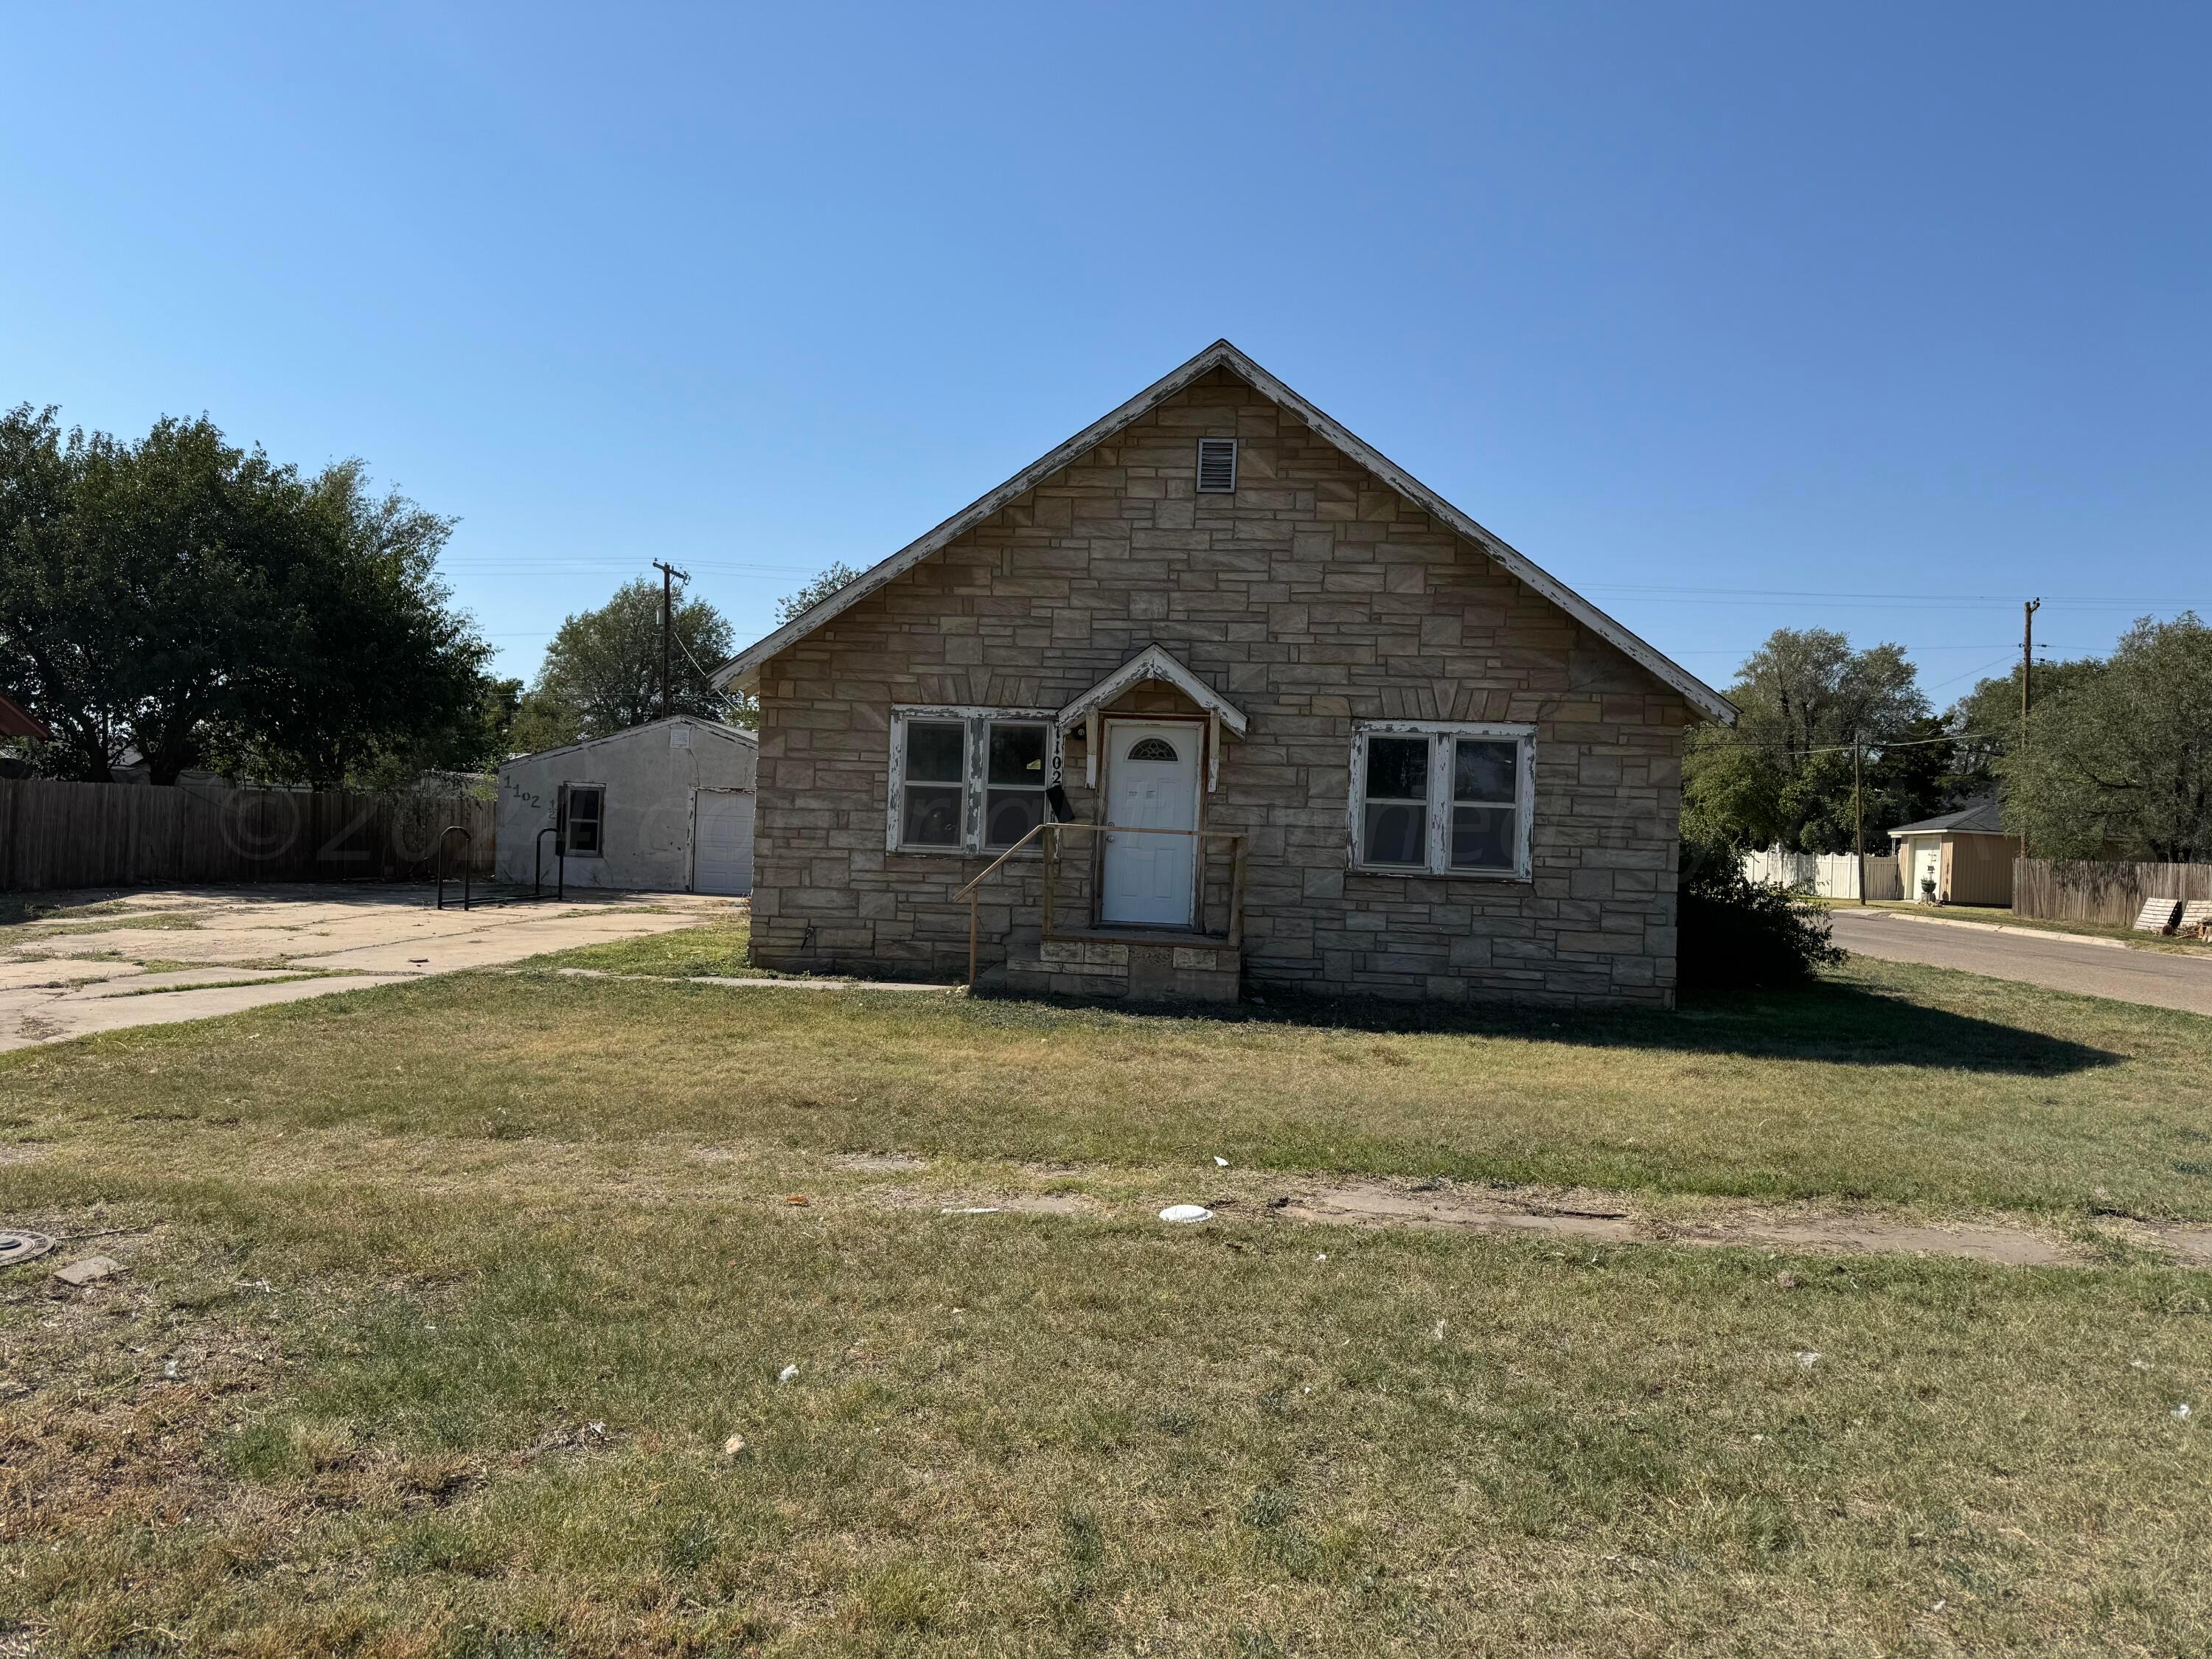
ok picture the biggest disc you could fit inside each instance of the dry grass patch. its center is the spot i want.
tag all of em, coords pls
(470, 1282)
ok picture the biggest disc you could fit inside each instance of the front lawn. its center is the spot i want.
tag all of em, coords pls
(454, 1295)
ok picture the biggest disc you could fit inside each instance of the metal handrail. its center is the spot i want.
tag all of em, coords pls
(1029, 836)
(560, 865)
(1234, 938)
(469, 841)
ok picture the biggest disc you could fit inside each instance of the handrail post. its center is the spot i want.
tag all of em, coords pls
(468, 840)
(1051, 871)
(1237, 893)
(559, 865)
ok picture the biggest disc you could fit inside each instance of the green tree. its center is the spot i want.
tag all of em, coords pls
(1782, 774)
(834, 575)
(199, 602)
(1985, 722)
(2118, 758)
(602, 670)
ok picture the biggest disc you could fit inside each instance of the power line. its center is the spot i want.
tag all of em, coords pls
(1870, 743)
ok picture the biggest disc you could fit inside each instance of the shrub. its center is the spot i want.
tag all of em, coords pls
(1736, 932)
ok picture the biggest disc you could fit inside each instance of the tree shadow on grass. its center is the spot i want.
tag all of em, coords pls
(1824, 1023)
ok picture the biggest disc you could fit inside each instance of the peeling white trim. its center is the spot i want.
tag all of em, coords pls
(742, 668)
(1438, 831)
(974, 721)
(1154, 662)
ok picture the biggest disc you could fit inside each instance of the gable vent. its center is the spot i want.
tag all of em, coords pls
(1216, 466)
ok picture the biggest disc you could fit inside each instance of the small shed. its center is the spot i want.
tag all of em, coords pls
(664, 807)
(1962, 858)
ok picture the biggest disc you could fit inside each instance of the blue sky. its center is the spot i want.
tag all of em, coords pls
(1877, 318)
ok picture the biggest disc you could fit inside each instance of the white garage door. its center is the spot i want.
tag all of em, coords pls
(722, 841)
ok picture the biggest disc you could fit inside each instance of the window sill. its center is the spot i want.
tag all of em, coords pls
(1410, 873)
(1029, 852)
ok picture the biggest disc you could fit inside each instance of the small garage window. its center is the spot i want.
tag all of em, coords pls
(583, 819)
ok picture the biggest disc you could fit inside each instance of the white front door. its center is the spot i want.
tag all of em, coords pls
(1151, 783)
(1927, 869)
(722, 841)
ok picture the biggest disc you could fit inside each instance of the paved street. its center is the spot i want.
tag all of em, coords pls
(103, 961)
(2090, 969)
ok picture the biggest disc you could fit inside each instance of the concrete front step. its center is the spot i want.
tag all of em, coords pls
(1140, 970)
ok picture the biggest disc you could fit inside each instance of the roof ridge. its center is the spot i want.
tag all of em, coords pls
(1220, 353)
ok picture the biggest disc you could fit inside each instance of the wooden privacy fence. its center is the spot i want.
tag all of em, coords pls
(2092, 891)
(124, 835)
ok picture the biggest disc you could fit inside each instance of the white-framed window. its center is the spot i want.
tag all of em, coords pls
(966, 780)
(1443, 799)
(582, 818)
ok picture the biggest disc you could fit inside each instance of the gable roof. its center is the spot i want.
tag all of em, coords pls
(1155, 662)
(17, 721)
(1221, 354)
(1976, 817)
(738, 734)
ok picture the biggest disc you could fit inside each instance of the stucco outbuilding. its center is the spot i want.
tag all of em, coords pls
(664, 807)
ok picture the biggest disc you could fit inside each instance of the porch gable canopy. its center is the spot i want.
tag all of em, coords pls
(1154, 662)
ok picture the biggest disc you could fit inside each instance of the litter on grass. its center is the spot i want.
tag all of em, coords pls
(1807, 1358)
(733, 1445)
(1186, 1212)
(786, 1373)
(1220, 1161)
(2181, 1413)
(973, 1209)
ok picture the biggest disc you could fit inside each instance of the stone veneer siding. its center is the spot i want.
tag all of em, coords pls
(1312, 597)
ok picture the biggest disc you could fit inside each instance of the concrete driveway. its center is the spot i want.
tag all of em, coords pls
(2092, 967)
(98, 962)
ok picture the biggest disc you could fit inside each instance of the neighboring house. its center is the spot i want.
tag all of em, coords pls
(1962, 858)
(17, 721)
(664, 807)
(1347, 738)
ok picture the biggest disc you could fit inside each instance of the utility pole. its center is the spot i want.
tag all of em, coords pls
(2027, 610)
(1858, 808)
(668, 576)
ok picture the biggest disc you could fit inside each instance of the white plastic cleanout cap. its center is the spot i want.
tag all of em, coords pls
(1186, 1212)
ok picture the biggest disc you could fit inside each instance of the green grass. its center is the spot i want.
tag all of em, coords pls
(31, 932)
(717, 951)
(491, 1211)
(1890, 1082)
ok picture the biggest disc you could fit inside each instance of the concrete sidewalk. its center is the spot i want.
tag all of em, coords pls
(99, 961)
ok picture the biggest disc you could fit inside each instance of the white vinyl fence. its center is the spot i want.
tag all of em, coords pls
(1829, 875)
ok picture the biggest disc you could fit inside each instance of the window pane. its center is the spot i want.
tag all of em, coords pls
(933, 751)
(1396, 835)
(1484, 770)
(1397, 769)
(932, 817)
(1010, 814)
(1017, 754)
(584, 820)
(1482, 838)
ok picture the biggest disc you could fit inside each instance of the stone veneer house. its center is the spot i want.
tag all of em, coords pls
(1250, 705)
